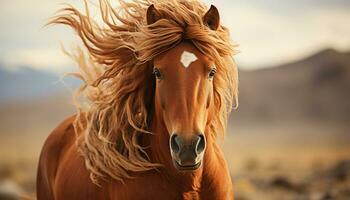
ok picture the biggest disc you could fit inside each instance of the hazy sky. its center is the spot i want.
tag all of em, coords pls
(269, 31)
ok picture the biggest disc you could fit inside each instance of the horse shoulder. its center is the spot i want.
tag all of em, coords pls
(60, 139)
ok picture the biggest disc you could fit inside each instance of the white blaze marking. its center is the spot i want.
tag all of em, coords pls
(187, 58)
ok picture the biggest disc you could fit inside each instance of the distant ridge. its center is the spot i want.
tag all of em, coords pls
(314, 88)
(28, 83)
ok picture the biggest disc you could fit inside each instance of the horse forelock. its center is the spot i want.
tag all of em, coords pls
(118, 82)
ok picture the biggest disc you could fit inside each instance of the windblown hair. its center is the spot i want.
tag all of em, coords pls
(116, 66)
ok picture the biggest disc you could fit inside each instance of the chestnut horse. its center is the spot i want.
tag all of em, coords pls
(160, 84)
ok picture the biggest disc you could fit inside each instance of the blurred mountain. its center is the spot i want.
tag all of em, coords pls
(314, 88)
(27, 83)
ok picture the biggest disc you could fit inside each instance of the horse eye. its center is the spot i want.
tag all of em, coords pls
(157, 73)
(212, 73)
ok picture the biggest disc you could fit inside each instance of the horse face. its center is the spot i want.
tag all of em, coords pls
(183, 96)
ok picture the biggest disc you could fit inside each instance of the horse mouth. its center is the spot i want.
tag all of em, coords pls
(187, 167)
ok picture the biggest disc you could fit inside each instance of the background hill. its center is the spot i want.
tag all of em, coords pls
(27, 83)
(314, 88)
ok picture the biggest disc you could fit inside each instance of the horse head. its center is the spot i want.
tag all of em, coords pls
(184, 95)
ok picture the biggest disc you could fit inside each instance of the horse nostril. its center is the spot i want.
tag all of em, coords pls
(175, 143)
(200, 144)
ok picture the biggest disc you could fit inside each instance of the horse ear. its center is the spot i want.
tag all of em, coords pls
(212, 18)
(153, 15)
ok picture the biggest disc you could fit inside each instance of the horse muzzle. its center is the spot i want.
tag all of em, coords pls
(187, 153)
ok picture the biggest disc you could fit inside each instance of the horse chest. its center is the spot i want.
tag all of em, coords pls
(142, 188)
(73, 182)
(154, 187)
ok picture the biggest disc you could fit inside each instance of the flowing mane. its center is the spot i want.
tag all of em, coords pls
(115, 64)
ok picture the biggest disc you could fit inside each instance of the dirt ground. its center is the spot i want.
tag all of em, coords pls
(288, 162)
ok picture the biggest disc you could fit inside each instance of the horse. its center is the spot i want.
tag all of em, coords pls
(159, 83)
